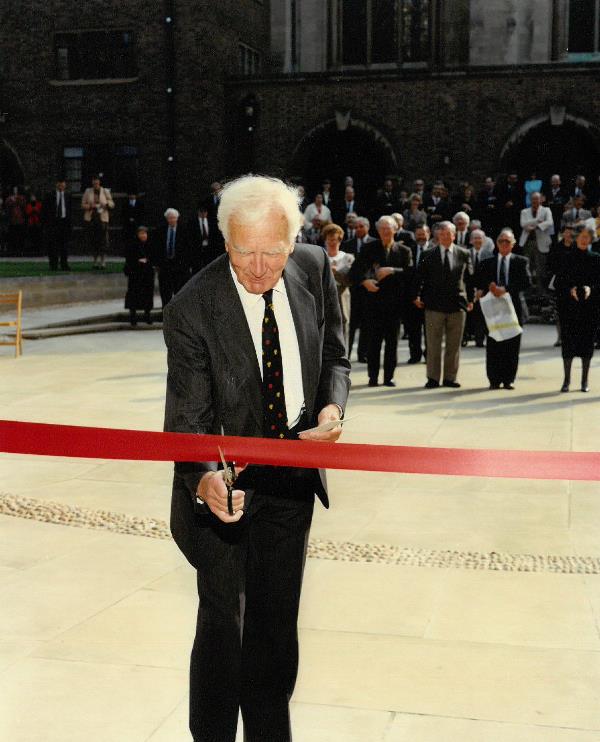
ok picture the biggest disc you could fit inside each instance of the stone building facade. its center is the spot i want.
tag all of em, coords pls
(133, 89)
(179, 93)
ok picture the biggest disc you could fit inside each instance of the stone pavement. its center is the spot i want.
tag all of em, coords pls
(434, 609)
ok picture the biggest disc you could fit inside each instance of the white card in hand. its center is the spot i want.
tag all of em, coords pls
(326, 427)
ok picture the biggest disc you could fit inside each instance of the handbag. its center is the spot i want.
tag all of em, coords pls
(500, 316)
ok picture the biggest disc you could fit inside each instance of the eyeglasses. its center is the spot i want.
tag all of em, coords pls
(505, 240)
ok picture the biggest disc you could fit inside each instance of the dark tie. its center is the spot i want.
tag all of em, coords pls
(502, 278)
(274, 410)
(476, 260)
(171, 243)
(446, 262)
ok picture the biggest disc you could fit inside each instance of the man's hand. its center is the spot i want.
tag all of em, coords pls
(212, 490)
(470, 306)
(586, 292)
(498, 291)
(371, 285)
(574, 294)
(382, 273)
(418, 303)
(327, 414)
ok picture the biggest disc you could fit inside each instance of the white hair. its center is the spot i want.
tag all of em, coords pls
(509, 232)
(389, 220)
(364, 221)
(447, 225)
(171, 212)
(251, 199)
(478, 233)
(461, 215)
(399, 218)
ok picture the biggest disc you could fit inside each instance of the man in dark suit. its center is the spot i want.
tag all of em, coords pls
(557, 198)
(349, 205)
(171, 251)
(415, 316)
(132, 216)
(504, 273)
(382, 269)
(437, 205)
(441, 291)
(358, 294)
(203, 243)
(386, 202)
(511, 200)
(57, 225)
(487, 207)
(256, 349)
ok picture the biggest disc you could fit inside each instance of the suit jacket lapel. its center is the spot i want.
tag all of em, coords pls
(302, 305)
(235, 338)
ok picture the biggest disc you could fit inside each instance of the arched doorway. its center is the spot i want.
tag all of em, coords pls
(11, 170)
(344, 146)
(548, 144)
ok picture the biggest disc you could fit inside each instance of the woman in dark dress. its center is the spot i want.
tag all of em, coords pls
(579, 291)
(555, 268)
(140, 277)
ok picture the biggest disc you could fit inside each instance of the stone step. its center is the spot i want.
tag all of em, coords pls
(51, 332)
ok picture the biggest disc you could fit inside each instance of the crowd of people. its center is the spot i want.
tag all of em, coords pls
(417, 260)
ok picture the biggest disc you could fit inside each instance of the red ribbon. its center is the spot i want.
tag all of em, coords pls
(107, 443)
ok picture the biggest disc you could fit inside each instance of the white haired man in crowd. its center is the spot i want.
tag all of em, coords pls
(171, 256)
(461, 221)
(255, 349)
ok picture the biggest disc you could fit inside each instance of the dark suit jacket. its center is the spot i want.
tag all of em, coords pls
(439, 293)
(49, 218)
(201, 256)
(350, 246)
(339, 211)
(132, 217)
(214, 382)
(182, 247)
(391, 289)
(519, 278)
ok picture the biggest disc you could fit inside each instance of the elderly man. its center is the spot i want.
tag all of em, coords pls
(255, 348)
(442, 292)
(403, 235)
(501, 274)
(537, 227)
(475, 323)
(382, 268)
(358, 294)
(172, 257)
(461, 221)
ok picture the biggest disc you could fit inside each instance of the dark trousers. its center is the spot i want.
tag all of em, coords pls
(384, 327)
(358, 300)
(414, 321)
(245, 653)
(58, 245)
(502, 360)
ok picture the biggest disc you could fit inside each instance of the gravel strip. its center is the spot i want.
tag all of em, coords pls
(46, 511)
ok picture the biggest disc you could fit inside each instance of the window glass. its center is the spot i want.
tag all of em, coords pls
(384, 40)
(582, 19)
(354, 32)
(95, 55)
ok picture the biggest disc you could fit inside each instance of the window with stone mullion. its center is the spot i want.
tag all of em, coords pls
(584, 26)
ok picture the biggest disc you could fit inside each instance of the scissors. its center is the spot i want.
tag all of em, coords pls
(229, 479)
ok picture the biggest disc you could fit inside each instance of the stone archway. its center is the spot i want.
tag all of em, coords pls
(11, 168)
(553, 142)
(341, 146)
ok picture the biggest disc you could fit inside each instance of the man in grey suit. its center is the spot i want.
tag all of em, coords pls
(255, 348)
(441, 290)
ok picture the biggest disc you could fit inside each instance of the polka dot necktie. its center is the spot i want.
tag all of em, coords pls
(275, 414)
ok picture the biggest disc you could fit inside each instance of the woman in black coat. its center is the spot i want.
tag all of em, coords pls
(555, 268)
(579, 291)
(140, 277)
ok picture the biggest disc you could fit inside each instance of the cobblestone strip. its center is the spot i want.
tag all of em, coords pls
(46, 511)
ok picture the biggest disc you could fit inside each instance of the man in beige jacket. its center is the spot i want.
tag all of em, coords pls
(97, 202)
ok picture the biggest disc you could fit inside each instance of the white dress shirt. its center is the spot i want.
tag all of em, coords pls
(254, 309)
(507, 269)
(450, 255)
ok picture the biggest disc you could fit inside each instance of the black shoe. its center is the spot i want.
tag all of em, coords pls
(414, 360)
(451, 384)
(389, 382)
(509, 386)
(480, 345)
(463, 343)
(362, 359)
(564, 388)
(432, 384)
(373, 382)
(585, 388)
(557, 344)
(494, 386)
